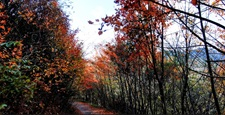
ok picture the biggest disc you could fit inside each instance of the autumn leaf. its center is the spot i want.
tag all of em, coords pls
(215, 2)
(100, 32)
(116, 29)
(1, 6)
(54, 4)
(194, 2)
(90, 22)
(41, 104)
(2, 27)
(3, 22)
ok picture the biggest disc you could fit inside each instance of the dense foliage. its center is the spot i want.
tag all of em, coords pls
(39, 57)
(167, 58)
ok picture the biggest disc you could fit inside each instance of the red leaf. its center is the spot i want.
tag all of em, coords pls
(194, 2)
(100, 32)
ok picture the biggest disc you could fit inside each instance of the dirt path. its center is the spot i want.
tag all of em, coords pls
(87, 109)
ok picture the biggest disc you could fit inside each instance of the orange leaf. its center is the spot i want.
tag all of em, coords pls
(2, 27)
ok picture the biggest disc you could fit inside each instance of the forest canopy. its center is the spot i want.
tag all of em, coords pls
(168, 57)
(39, 57)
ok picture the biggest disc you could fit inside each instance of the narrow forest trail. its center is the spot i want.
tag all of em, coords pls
(86, 109)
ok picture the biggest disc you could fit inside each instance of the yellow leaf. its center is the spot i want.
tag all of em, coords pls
(215, 2)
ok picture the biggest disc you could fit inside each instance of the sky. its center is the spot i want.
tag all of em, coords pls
(80, 12)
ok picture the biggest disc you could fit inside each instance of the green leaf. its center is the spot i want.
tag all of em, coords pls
(28, 80)
(10, 44)
(3, 106)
